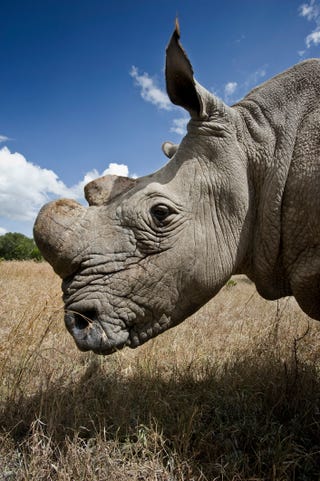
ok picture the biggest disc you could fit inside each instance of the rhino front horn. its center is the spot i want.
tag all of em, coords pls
(56, 233)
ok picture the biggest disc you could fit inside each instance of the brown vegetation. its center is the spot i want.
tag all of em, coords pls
(233, 393)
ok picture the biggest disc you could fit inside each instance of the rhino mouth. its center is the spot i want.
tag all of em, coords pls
(89, 333)
(92, 333)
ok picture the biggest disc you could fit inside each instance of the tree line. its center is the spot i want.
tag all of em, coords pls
(16, 246)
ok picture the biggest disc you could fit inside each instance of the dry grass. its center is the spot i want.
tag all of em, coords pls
(231, 394)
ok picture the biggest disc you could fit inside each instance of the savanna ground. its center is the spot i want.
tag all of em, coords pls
(233, 393)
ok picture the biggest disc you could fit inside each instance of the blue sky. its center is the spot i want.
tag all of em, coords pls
(82, 85)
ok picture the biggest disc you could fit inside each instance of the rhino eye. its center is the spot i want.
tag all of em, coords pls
(160, 212)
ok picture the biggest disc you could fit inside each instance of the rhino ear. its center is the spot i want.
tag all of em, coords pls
(169, 149)
(182, 88)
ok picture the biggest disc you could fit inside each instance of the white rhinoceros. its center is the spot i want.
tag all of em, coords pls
(241, 194)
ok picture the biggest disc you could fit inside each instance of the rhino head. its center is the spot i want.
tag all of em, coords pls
(147, 253)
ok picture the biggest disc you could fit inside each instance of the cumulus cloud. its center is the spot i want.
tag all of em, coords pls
(3, 231)
(233, 91)
(179, 125)
(313, 38)
(149, 91)
(311, 11)
(229, 90)
(25, 187)
(255, 77)
(113, 169)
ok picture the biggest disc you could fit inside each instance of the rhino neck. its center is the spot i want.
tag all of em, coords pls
(272, 115)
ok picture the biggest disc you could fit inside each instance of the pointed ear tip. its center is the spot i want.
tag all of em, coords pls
(177, 27)
(175, 35)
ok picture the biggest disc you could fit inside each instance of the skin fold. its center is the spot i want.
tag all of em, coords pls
(240, 194)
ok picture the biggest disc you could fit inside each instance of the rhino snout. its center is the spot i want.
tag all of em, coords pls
(89, 334)
(57, 234)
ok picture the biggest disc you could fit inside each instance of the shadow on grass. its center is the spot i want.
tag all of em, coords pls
(253, 419)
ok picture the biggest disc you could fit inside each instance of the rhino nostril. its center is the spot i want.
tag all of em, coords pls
(84, 319)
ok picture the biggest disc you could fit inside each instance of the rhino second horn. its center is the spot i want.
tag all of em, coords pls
(103, 190)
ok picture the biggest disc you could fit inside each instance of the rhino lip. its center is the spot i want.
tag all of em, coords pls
(90, 331)
(89, 334)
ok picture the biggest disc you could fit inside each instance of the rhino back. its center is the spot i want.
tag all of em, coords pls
(281, 118)
(301, 216)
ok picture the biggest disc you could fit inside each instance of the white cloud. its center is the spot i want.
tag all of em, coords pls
(255, 77)
(179, 125)
(76, 191)
(25, 187)
(3, 138)
(232, 92)
(3, 231)
(313, 38)
(311, 11)
(113, 169)
(117, 169)
(240, 39)
(230, 88)
(149, 90)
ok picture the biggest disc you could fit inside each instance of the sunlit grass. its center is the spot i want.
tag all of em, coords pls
(233, 393)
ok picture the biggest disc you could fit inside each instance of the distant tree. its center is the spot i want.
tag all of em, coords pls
(14, 245)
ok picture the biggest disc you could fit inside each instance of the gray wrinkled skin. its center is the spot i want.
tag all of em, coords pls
(240, 194)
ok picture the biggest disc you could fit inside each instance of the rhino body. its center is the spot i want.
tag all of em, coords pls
(240, 194)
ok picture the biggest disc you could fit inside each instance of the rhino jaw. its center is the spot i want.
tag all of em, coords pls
(93, 333)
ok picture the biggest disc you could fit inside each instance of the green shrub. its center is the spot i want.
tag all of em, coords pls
(16, 246)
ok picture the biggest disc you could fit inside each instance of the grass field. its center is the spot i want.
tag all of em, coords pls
(233, 393)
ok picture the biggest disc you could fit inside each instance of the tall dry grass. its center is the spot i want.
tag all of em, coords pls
(233, 393)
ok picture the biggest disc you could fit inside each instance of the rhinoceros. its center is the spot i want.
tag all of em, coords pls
(240, 194)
